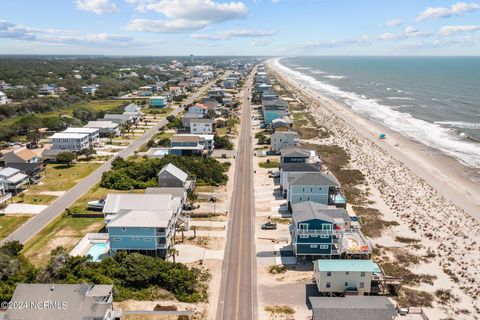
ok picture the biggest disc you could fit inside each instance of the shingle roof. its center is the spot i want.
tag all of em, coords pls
(352, 308)
(295, 152)
(310, 210)
(25, 154)
(322, 178)
(300, 167)
(82, 301)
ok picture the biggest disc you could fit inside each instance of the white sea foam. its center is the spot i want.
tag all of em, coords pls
(399, 98)
(335, 77)
(431, 134)
(460, 124)
(317, 72)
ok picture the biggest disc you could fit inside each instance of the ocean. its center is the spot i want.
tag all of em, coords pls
(433, 100)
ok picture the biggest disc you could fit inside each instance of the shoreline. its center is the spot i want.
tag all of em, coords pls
(442, 172)
(395, 177)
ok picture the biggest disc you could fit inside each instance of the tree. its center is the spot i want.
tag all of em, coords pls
(172, 252)
(88, 153)
(65, 157)
(33, 136)
(222, 143)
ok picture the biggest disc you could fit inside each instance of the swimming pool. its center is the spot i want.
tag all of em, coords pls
(98, 251)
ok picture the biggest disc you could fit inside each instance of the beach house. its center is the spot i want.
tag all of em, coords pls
(347, 276)
(297, 155)
(142, 222)
(321, 231)
(281, 139)
(158, 102)
(321, 187)
(189, 116)
(201, 126)
(281, 124)
(24, 160)
(93, 133)
(12, 180)
(65, 301)
(354, 308)
(120, 119)
(90, 90)
(293, 168)
(206, 140)
(185, 145)
(70, 141)
(132, 108)
(106, 128)
(273, 109)
(216, 92)
(199, 109)
(171, 176)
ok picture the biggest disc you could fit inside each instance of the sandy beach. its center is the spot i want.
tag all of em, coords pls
(431, 196)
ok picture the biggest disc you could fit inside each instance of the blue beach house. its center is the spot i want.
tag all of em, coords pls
(158, 102)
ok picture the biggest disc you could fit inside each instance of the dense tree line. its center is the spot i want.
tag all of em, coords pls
(134, 276)
(126, 174)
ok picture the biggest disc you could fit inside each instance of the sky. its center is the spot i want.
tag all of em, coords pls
(250, 27)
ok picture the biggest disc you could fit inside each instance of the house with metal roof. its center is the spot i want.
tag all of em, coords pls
(93, 133)
(318, 230)
(172, 177)
(295, 154)
(347, 276)
(106, 128)
(321, 187)
(353, 308)
(292, 168)
(142, 222)
(65, 301)
(73, 142)
(13, 180)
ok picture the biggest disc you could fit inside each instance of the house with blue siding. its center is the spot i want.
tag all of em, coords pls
(320, 187)
(186, 145)
(295, 168)
(273, 109)
(142, 222)
(158, 102)
(319, 230)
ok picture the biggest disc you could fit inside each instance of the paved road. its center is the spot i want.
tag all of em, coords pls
(41, 220)
(238, 293)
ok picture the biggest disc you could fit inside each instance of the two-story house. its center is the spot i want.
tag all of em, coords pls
(349, 277)
(65, 301)
(158, 102)
(281, 139)
(70, 141)
(171, 176)
(295, 168)
(188, 116)
(273, 109)
(295, 155)
(24, 160)
(106, 128)
(281, 124)
(320, 231)
(200, 109)
(321, 187)
(184, 145)
(141, 222)
(201, 126)
(13, 180)
(93, 133)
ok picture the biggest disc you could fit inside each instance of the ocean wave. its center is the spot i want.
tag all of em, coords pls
(431, 134)
(335, 77)
(399, 98)
(317, 72)
(460, 124)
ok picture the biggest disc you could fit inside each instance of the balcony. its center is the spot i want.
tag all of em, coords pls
(319, 232)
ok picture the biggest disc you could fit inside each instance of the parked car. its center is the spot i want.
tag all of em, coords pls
(274, 175)
(271, 225)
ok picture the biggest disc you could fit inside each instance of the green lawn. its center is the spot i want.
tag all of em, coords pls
(10, 223)
(269, 165)
(221, 131)
(59, 177)
(29, 197)
(160, 112)
(64, 231)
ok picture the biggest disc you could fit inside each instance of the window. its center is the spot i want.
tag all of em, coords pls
(303, 189)
(302, 236)
(124, 229)
(328, 285)
(146, 239)
(308, 198)
(362, 285)
(320, 189)
(362, 274)
(346, 284)
(324, 246)
(313, 246)
(324, 236)
(301, 199)
(134, 238)
(346, 273)
(311, 189)
(303, 226)
(117, 239)
(329, 274)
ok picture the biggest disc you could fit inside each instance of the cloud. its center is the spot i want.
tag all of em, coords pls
(361, 42)
(449, 30)
(408, 32)
(184, 15)
(236, 33)
(456, 9)
(12, 31)
(394, 23)
(96, 6)
(9, 30)
(261, 43)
